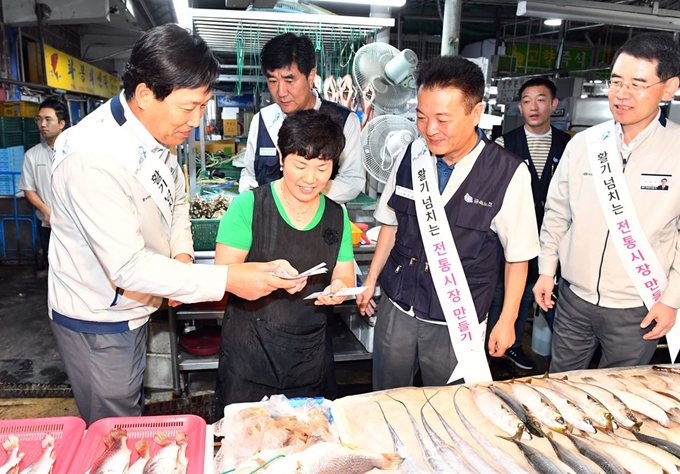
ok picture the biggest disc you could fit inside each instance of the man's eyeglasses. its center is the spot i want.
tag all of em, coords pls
(634, 87)
(47, 120)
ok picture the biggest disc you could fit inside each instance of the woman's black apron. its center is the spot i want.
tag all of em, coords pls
(277, 344)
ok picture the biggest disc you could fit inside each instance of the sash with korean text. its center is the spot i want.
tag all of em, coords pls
(447, 272)
(634, 250)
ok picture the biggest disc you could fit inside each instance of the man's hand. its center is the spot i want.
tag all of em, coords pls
(543, 292)
(335, 286)
(365, 301)
(664, 317)
(502, 337)
(47, 214)
(254, 280)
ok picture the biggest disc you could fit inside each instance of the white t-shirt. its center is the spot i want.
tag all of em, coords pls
(36, 175)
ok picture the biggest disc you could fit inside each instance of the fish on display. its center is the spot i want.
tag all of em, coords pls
(171, 459)
(573, 415)
(606, 462)
(540, 406)
(116, 457)
(669, 446)
(452, 459)
(44, 464)
(621, 413)
(631, 400)
(508, 463)
(430, 452)
(670, 406)
(669, 462)
(656, 383)
(142, 448)
(635, 462)
(11, 446)
(577, 462)
(409, 466)
(594, 410)
(498, 412)
(333, 458)
(539, 461)
(530, 423)
(470, 454)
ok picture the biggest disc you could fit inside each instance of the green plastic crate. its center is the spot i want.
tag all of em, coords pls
(11, 139)
(12, 125)
(204, 233)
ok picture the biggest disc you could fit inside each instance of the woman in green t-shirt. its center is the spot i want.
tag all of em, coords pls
(277, 344)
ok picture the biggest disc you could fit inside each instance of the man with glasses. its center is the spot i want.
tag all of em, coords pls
(37, 168)
(617, 240)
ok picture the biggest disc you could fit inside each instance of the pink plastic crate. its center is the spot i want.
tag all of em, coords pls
(66, 430)
(143, 427)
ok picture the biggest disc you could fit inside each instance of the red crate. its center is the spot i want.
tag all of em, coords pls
(66, 430)
(143, 427)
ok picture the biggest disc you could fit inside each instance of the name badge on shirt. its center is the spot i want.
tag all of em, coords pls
(267, 151)
(655, 182)
(405, 192)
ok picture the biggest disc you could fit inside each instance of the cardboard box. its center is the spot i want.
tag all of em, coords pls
(230, 127)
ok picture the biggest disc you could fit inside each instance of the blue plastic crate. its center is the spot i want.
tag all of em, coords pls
(11, 159)
(6, 185)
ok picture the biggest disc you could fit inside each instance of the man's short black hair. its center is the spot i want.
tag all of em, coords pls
(659, 47)
(58, 106)
(167, 58)
(286, 49)
(311, 134)
(453, 71)
(537, 82)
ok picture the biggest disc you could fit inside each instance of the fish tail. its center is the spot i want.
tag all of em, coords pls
(47, 441)
(142, 448)
(182, 438)
(161, 438)
(391, 461)
(10, 443)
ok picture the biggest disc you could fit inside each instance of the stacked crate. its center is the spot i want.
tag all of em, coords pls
(11, 159)
(31, 134)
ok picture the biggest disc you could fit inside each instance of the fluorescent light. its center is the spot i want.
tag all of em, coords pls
(384, 3)
(552, 22)
(182, 13)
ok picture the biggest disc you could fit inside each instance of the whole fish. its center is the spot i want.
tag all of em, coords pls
(577, 462)
(606, 462)
(116, 458)
(333, 458)
(573, 415)
(621, 413)
(470, 454)
(596, 412)
(668, 370)
(43, 465)
(632, 401)
(498, 412)
(448, 454)
(432, 456)
(653, 382)
(669, 462)
(665, 433)
(634, 462)
(508, 463)
(540, 406)
(670, 406)
(409, 466)
(530, 423)
(142, 448)
(171, 459)
(672, 448)
(539, 461)
(11, 446)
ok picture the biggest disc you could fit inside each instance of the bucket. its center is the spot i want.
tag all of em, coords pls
(541, 335)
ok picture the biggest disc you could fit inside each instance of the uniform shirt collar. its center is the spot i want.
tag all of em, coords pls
(659, 121)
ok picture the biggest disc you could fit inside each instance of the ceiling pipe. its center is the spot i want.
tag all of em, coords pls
(451, 27)
(589, 11)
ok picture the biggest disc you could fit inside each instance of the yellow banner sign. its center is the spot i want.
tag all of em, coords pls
(71, 74)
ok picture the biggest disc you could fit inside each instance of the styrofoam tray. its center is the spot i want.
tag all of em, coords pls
(66, 430)
(143, 427)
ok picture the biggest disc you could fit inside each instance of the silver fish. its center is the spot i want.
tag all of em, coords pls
(498, 412)
(530, 423)
(409, 466)
(634, 462)
(575, 461)
(468, 451)
(540, 406)
(448, 454)
(573, 415)
(670, 406)
(510, 466)
(608, 464)
(116, 458)
(596, 412)
(621, 413)
(542, 463)
(432, 456)
(656, 383)
(11, 446)
(672, 448)
(172, 456)
(44, 464)
(669, 462)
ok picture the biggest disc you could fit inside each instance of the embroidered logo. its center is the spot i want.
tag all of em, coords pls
(469, 199)
(330, 236)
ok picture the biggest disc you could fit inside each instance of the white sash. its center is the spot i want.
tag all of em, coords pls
(635, 251)
(447, 271)
(148, 168)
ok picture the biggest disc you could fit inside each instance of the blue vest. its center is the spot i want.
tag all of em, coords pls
(406, 278)
(515, 141)
(267, 168)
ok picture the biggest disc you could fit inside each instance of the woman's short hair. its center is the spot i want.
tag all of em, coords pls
(312, 134)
